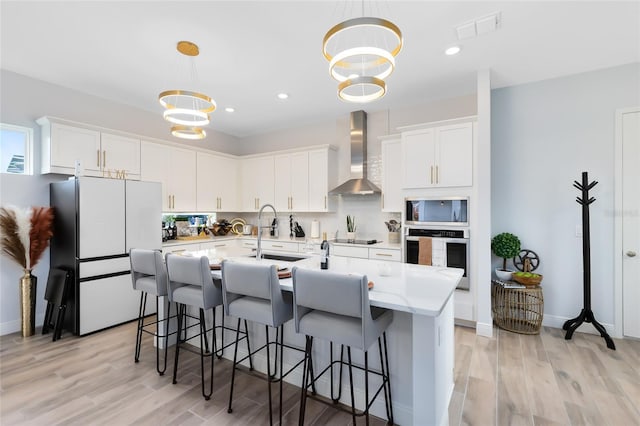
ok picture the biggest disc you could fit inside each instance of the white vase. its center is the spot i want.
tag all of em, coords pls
(503, 275)
(351, 236)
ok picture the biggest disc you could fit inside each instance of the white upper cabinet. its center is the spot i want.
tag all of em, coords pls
(291, 182)
(175, 168)
(257, 182)
(439, 156)
(391, 174)
(216, 183)
(323, 177)
(98, 153)
(121, 153)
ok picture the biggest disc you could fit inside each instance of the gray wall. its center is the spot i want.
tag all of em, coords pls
(544, 135)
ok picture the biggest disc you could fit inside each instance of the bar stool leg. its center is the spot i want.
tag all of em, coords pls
(233, 368)
(353, 401)
(266, 330)
(206, 340)
(143, 303)
(386, 358)
(366, 386)
(164, 338)
(385, 378)
(180, 309)
(281, 362)
(305, 377)
(334, 398)
(203, 339)
(246, 330)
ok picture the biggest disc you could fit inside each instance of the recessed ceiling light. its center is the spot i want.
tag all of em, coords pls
(453, 50)
(282, 96)
(229, 109)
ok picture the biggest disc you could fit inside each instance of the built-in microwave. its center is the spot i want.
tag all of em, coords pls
(445, 211)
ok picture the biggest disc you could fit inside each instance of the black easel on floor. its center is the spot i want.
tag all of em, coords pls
(586, 315)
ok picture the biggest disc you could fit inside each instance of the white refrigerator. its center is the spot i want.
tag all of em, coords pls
(97, 221)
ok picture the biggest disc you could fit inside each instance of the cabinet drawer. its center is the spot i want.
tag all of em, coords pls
(249, 243)
(361, 252)
(102, 267)
(215, 244)
(178, 248)
(384, 254)
(280, 246)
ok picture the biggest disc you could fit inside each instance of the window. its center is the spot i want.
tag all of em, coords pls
(15, 149)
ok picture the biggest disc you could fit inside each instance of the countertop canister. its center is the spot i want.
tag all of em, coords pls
(315, 229)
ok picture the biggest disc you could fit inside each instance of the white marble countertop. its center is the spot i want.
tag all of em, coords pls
(417, 289)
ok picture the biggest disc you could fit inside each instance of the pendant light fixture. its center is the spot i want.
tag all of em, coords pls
(361, 54)
(186, 109)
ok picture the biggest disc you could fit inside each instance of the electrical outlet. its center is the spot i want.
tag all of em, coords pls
(578, 231)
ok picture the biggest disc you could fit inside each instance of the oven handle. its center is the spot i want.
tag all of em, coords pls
(445, 239)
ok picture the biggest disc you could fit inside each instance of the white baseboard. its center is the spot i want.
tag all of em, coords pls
(557, 322)
(16, 325)
(483, 329)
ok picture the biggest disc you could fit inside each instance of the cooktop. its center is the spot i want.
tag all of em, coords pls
(340, 240)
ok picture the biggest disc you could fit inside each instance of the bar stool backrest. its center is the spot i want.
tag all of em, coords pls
(332, 292)
(193, 271)
(257, 281)
(148, 271)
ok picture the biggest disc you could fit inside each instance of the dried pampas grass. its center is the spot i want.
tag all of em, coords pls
(40, 233)
(10, 240)
(25, 234)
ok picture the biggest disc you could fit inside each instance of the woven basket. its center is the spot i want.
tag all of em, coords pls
(528, 281)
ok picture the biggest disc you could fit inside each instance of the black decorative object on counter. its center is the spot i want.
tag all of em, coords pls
(586, 315)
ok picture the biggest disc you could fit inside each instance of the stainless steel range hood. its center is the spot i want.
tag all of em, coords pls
(358, 184)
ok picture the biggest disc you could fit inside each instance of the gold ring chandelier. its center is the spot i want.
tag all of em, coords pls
(186, 109)
(361, 54)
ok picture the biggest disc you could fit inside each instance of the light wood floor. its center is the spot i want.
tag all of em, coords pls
(508, 380)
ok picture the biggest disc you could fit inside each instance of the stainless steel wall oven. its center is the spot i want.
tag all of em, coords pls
(444, 222)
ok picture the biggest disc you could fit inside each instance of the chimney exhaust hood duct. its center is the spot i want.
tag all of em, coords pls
(358, 184)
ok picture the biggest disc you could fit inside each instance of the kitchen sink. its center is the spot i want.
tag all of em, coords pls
(282, 257)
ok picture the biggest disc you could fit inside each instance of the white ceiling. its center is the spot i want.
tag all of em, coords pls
(250, 51)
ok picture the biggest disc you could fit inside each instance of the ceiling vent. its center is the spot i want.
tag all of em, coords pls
(483, 25)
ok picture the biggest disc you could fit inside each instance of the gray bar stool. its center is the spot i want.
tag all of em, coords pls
(191, 284)
(149, 276)
(252, 292)
(335, 307)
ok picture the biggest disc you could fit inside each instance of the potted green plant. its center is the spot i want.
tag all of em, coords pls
(506, 246)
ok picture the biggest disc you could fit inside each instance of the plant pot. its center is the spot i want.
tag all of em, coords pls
(351, 236)
(504, 275)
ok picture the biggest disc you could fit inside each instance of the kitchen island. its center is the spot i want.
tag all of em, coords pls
(421, 340)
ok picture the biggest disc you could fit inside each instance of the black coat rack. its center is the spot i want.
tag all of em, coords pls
(586, 315)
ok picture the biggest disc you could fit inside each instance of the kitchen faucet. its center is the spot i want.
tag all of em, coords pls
(259, 249)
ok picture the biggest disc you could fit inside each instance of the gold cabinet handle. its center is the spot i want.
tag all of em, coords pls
(173, 201)
(384, 254)
(98, 160)
(437, 175)
(104, 159)
(169, 204)
(178, 251)
(325, 202)
(277, 246)
(431, 174)
(383, 201)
